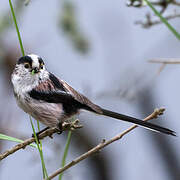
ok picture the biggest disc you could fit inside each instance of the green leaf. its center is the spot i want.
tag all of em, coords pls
(65, 153)
(17, 29)
(9, 138)
(163, 20)
(45, 174)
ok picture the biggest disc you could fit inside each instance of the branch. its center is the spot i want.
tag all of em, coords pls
(164, 63)
(149, 22)
(175, 3)
(49, 132)
(103, 144)
(163, 4)
(167, 61)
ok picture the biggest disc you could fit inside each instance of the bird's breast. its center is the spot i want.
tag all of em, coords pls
(49, 114)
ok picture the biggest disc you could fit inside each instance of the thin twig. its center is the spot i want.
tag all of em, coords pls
(163, 61)
(161, 68)
(171, 28)
(149, 22)
(104, 143)
(49, 132)
(141, 4)
(175, 3)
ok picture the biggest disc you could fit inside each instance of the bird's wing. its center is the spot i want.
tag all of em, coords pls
(54, 90)
(81, 98)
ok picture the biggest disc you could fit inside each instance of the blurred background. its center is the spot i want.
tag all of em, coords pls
(96, 47)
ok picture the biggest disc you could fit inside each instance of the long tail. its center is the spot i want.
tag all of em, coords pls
(145, 124)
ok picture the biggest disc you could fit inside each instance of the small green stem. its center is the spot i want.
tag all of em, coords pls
(65, 153)
(45, 174)
(17, 29)
(41, 154)
(163, 20)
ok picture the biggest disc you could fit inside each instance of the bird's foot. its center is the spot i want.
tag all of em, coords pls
(60, 128)
(38, 133)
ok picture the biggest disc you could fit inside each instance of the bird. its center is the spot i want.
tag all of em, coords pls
(52, 101)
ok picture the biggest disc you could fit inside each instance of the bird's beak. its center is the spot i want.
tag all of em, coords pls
(35, 71)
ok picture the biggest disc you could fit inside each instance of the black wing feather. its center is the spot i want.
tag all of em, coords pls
(51, 96)
(57, 84)
(70, 105)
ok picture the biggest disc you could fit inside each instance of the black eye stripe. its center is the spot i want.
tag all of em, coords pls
(25, 59)
(40, 60)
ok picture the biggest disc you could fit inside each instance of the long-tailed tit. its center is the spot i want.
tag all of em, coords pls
(52, 101)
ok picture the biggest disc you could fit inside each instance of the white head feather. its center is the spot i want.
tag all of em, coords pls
(22, 78)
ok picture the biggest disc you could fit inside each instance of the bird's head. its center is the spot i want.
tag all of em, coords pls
(30, 64)
(29, 71)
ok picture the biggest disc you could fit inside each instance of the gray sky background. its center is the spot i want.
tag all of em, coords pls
(118, 55)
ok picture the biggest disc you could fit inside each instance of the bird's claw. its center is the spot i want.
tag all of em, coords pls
(37, 135)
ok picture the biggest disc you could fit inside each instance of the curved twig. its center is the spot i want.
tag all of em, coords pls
(103, 144)
(49, 132)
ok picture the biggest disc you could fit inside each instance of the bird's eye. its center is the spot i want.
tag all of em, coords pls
(41, 66)
(26, 65)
